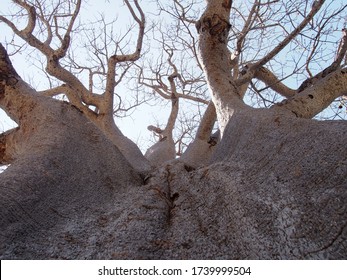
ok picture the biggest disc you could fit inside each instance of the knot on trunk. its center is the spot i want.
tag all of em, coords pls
(215, 26)
(8, 75)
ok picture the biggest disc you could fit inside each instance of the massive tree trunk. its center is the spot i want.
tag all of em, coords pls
(275, 188)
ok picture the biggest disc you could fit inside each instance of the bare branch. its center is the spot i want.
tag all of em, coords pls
(174, 106)
(28, 37)
(342, 49)
(54, 91)
(341, 52)
(141, 23)
(207, 123)
(316, 98)
(315, 8)
(273, 82)
(65, 42)
(247, 26)
(31, 16)
(116, 58)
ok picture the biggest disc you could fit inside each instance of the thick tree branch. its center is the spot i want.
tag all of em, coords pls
(155, 129)
(17, 98)
(79, 91)
(201, 149)
(54, 91)
(207, 123)
(267, 77)
(174, 107)
(313, 100)
(164, 149)
(96, 100)
(170, 125)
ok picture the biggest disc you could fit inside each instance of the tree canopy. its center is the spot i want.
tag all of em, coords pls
(169, 47)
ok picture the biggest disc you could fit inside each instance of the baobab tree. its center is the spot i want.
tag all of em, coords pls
(271, 184)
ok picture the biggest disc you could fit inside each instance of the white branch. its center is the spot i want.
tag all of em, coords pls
(313, 100)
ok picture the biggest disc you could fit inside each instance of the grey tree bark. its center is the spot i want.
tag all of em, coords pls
(275, 187)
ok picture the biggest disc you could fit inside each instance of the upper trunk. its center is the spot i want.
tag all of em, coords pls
(213, 28)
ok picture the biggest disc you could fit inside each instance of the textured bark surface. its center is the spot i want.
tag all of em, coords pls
(274, 191)
(60, 175)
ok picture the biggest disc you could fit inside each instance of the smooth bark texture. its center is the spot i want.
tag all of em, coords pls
(213, 28)
(164, 149)
(199, 152)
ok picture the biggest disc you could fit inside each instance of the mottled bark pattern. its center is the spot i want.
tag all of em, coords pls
(8, 75)
(227, 4)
